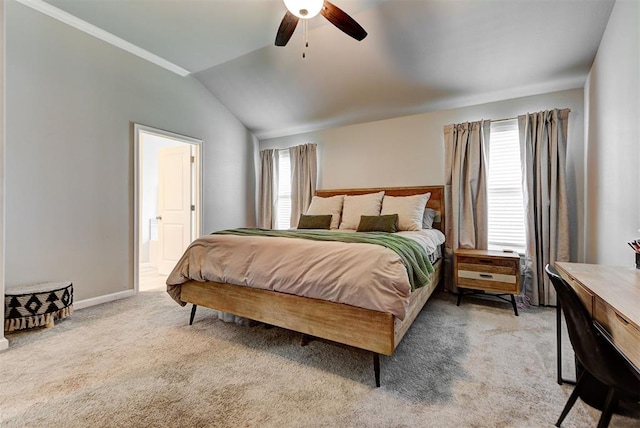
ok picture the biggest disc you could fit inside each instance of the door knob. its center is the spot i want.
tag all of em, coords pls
(159, 217)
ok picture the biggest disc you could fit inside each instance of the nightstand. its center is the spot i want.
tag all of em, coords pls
(487, 271)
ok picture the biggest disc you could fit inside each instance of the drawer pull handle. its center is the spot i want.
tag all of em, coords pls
(485, 261)
(485, 275)
(622, 320)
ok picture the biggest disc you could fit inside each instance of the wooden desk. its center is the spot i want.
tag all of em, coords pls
(612, 297)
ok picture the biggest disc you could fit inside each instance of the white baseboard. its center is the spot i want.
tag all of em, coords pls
(4, 343)
(103, 299)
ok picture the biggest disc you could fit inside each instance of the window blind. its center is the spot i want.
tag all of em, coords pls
(506, 208)
(283, 220)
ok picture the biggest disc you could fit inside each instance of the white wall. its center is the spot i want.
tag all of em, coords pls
(409, 151)
(612, 101)
(71, 104)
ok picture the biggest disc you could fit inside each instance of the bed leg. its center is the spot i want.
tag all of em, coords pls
(193, 313)
(306, 339)
(376, 368)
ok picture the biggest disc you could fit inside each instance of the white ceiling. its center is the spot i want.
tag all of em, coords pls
(420, 55)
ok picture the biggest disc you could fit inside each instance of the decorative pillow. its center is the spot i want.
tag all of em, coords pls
(325, 206)
(378, 223)
(359, 205)
(410, 209)
(429, 216)
(314, 221)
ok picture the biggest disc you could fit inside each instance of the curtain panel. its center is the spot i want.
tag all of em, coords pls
(304, 175)
(268, 209)
(543, 153)
(466, 163)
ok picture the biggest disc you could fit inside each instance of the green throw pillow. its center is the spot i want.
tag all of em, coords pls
(378, 223)
(314, 221)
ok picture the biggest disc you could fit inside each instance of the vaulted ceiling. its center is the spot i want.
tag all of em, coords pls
(419, 55)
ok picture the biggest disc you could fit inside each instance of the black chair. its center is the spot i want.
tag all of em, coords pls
(594, 353)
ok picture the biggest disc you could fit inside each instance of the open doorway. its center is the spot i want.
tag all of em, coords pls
(167, 200)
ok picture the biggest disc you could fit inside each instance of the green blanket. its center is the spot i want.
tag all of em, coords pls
(413, 255)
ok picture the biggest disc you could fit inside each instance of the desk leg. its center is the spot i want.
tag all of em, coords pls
(559, 345)
(559, 341)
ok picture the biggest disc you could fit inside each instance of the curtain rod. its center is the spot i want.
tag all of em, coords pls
(503, 120)
(513, 118)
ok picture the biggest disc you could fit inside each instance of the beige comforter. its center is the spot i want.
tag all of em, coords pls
(364, 275)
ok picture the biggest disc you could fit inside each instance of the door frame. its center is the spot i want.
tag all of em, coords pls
(138, 129)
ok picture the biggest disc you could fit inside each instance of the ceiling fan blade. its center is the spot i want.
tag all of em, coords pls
(286, 29)
(344, 22)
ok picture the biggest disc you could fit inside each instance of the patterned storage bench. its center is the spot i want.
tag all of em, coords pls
(37, 305)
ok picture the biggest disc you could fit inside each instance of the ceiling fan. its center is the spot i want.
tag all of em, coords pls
(305, 9)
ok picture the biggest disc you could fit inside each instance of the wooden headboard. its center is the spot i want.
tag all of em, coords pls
(436, 201)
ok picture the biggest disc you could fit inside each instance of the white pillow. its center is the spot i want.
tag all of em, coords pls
(410, 210)
(359, 205)
(429, 217)
(324, 206)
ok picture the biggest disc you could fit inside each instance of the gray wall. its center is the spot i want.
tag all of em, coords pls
(3, 342)
(71, 101)
(612, 101)
(409, 151)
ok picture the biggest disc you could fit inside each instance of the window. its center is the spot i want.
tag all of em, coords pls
(506, 208)
(284, 190)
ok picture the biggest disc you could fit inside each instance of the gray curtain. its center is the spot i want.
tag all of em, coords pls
(543, 150)
(466, 163)
(304, 174)
(268, 209)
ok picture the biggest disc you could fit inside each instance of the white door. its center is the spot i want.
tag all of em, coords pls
(174, 205)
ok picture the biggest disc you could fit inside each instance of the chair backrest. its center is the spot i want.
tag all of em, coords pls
(592, 350)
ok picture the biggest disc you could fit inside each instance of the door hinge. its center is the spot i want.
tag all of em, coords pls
(193, 207)
(193, 159)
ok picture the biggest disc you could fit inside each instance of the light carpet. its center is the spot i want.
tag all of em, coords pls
(137, 363)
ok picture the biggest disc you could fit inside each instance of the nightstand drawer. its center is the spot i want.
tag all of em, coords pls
(485, 276)
(508, 265)
(488, 282)
(510, 269)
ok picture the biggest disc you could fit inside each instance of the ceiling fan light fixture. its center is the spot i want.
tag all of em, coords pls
(304, 9)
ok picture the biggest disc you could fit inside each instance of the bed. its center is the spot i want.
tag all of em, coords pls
(377, 331)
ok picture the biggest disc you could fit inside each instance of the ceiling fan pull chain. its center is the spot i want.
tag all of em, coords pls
(305, 34)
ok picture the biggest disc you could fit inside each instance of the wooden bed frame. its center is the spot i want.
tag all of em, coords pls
(379, 332)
